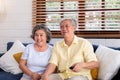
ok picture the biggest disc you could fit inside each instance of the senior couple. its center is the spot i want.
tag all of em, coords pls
(73, 57)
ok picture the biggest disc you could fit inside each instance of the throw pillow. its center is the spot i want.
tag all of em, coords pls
(109, 62)
(7, 62)
(17, 56)
(94, 73)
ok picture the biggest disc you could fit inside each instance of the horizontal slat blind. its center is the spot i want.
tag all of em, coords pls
(103, 14)
(90, 14)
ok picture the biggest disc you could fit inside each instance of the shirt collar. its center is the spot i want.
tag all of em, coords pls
(74, 41)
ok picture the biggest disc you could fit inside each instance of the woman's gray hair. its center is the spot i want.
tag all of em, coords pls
(42, 27)
(73, 21)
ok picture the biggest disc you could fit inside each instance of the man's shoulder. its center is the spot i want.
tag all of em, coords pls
(83, 40)
(59, 43)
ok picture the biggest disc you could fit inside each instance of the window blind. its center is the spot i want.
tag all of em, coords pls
(97, 15)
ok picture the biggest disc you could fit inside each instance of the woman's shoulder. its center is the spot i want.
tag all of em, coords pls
(30, 45)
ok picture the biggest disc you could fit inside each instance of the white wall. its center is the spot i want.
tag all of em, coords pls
(16, 23)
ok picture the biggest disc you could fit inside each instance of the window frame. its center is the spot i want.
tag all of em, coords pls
(81, 33)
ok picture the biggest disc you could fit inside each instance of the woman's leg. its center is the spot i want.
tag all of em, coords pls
(78, 78)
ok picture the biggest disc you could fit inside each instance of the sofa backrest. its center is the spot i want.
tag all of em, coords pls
(9, 45)
(96, 46)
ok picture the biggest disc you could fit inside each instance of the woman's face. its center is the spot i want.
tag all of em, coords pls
(40, 37)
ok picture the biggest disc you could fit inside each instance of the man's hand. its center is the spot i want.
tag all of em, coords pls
(78, 66)
(45, 77)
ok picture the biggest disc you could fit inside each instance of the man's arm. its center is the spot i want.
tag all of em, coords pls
(88, 65)
(50, 69)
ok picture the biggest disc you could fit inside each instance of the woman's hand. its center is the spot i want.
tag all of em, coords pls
(35, 76)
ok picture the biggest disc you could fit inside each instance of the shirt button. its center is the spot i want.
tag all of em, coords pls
(66, 71)
(68, 75)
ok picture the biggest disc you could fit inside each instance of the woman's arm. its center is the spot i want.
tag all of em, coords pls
(24, 68)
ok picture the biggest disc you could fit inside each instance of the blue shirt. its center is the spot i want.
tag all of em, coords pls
(36, 61)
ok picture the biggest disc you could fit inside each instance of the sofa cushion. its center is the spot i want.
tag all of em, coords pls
(117, 76)
(109, 62)
(7, 62)
(8, 76)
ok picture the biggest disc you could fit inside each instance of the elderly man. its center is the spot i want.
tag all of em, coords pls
(73, 56)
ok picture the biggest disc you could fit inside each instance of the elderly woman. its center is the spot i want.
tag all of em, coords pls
(36, 56)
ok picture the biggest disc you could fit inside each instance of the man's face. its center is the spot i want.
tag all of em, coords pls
(67, 28)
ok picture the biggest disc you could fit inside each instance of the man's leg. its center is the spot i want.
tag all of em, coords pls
(55, 77)
(78, 78)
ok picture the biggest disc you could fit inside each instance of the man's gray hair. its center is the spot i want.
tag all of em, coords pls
(71, 19)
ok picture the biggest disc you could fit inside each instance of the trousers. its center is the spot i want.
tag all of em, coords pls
(57, 77)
